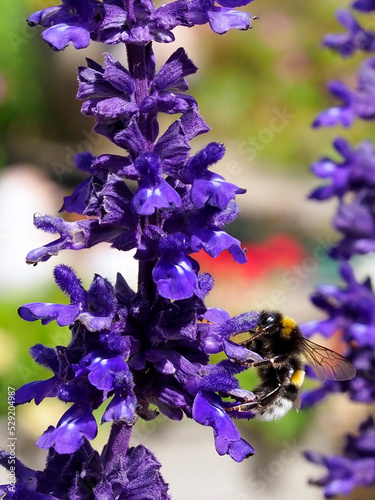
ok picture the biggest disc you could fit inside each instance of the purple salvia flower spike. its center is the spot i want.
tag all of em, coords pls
(350, 308)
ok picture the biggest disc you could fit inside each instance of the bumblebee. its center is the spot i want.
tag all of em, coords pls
(285, 351)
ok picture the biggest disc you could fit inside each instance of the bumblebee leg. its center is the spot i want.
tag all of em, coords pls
(266, 362)
(256, 403)
(244, 407)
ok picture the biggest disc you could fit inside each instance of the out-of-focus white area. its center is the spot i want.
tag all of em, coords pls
(24, 191)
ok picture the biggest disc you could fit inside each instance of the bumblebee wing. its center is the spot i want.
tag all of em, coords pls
(297, 402)
(326, 363)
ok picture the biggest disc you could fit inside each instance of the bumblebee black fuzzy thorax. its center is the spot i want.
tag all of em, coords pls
(274, 335)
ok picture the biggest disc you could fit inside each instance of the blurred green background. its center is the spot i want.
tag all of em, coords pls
(245, 83)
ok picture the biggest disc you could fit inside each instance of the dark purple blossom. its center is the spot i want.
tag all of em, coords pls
(364, 5)
(77, 423)
(175, 273)
(356, 221)
(153, 192)
(144, 24)
(353, 182)
(72, 22)
(208, 410)
(208, 187)
(355, 469)
(222, 17)
(95, 309)
(118, 472)
(356, 39)
(350, 309)
(112, 22)
(73, 236)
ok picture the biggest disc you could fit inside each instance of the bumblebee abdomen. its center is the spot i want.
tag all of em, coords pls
(278, 409)
(297, 378)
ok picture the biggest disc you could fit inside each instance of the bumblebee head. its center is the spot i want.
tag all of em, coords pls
(269, 320)
(275, 322)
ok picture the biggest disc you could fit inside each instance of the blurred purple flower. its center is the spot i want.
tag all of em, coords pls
(364, 5)
(355, 104)
(356, 39)
(355, 172)
(355, 469)
(351, 313)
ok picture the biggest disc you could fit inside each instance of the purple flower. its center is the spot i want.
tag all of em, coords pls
(351, 312)
(73, 236)
(355, 172)
(356, 39)
(72, 22)
(175, 275)
(356, 221)
(154, 192)
(95, 309)
(77, 423)
(350, 309)
(222, 18)
(356, 104)
(143, 24)
(209, 236)
(355, 469)
(353, 182)
(208, 410)
(207, 187)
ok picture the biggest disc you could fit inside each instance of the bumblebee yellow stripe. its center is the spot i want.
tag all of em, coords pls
(297, 378)
(288, 325)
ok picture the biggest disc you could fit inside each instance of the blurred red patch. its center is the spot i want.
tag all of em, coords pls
(277, 253)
